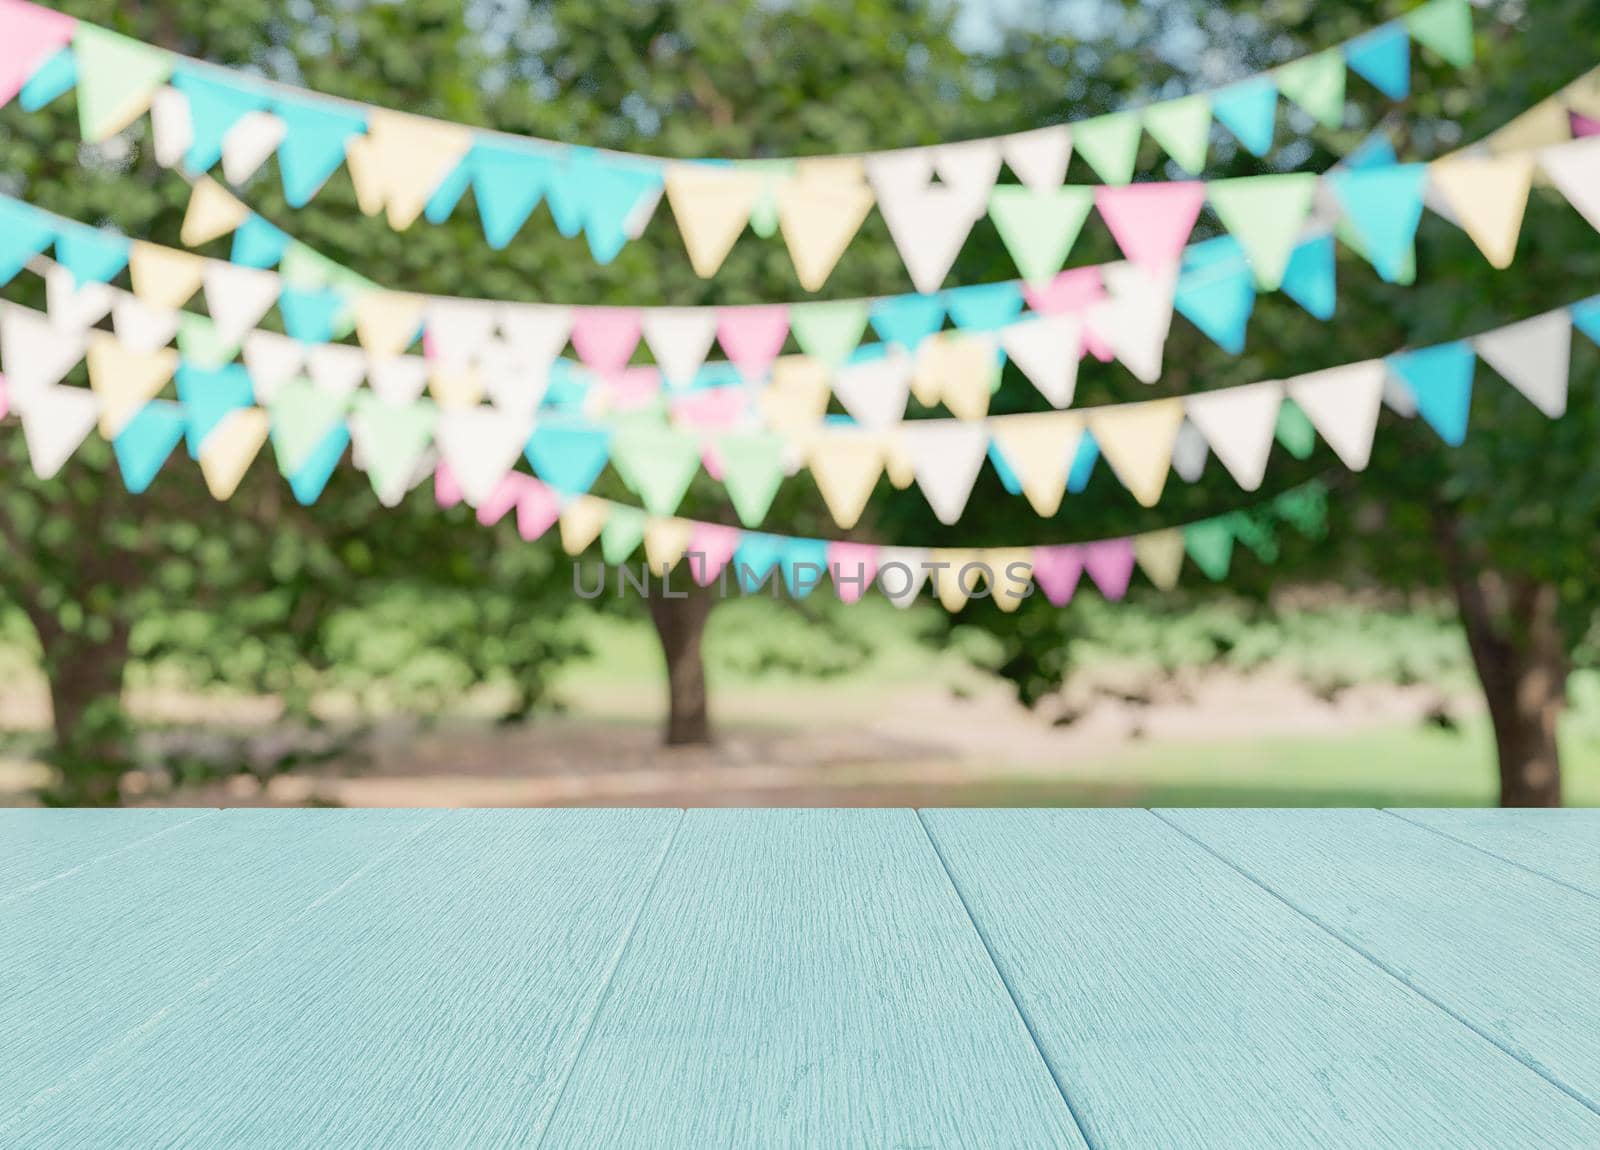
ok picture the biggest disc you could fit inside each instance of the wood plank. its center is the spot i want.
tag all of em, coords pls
(440, 1000)
(43, 846)
(808, 978)
(1181, 1005)
(1563, 845)
(1515, 956)
(99, 953)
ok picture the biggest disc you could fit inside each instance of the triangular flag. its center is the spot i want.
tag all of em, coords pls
(171, 126)
(141, 327)
(1575, 170)
(336, 367)
(456, 385)
(752, 470)
(208, 395)
(829, 332)
(614, 194)
(480, 445)
(1047, 349)
(1136, 439)
(123, 380)
(73, 305)
(272, 361)
(1446, 27)
(1265, 214)
(1535, 357)
(1151, 222)
(1383, 206)
(1160, 556)
(145, 442)
(819, 214)
(711, 203)
(536, 331)
(907, 319)
(402, 159)
(55, 77)
(24, 233)
(302, 416)
(200, 343)
(970, 166)
(846, 462)
(752, 335)
(1238, 423)
(1110, 144)
(1056, 571)
(1183, 129)
(1440, 380)
(457, 330)
(1382, 57)
(569, 457)
(93, 255)
(1109, 562)
(237, 297)
(984, 307)
(1039, 449)
(1250, 111)
(390, 440)
(311, 315)
(902, 572)
(1294, 431)
(965, 370)
(1343, 404)
(945, 457)
(398, 380)
(604, 337)
(1039, 157)
(764, 216)
(229, 450)
(1133, 323)
(875, 391)
(621, 534)
(581, 522)
(116, 78)
(307, 483)
(852, 566)
(246, 145)
(798, 395)
(1316, 83)
(216, 101)
(679, 338)
(387, 322)
(1039, 225)
(257, 244)
(54, 422)
(313, 147)
(508, 183)
(929, 224)
(1008, 571)
(1210, 544)
(1310, 279)
(1218, 300)
(1488, 198)
(164, 277)
(30, 35)
(1586, 317)
(657, 463)
(665, 541)
(957, 576)
(36, 353)
(1542, 126)
(1189, 453)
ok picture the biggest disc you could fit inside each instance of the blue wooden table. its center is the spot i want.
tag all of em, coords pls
(843, 978)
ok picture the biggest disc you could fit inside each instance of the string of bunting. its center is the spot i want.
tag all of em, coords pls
(408, 167)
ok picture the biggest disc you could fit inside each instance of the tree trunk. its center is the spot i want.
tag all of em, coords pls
(1514, 632)
(92, 739)
(680, 624)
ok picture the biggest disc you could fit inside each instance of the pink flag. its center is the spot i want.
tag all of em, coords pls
(714, 409)
(446, 491)
(1151, 222)
(711, 545)
(1071, 291)
(632, 387)
(501, 500)
(538, 508)
(1056, 571)
(29, 35)
(711, 461)
(853, 567)
(1583, 126)
(753, 336)
(604, 337)
(1110, 564)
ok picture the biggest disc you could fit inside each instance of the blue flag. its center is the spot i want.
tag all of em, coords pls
(313, 475)
(1250, 111)
(984, 307)
(1218, 300)
(569, 457)
(1441, 380)
(1309, 279)
(907, 319)
(91, 255)
(144, 444)
(1382, 57)
(313, 145)
(208, 395)
(24, 233)
(215, 104)
(1383, 207)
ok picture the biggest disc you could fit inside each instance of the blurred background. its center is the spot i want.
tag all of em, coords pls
(1427, 637)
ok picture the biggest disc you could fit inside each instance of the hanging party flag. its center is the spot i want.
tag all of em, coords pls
(311, 315)
(1110, 144)
(35, 353)
(171, 127)
(1210, 544)
(141, 327)
(1137, 439)
(1446, 27)
(212, 212)
(819, 211)
(1159, 555)
(1039, 448)
(1189, 453)
(1382, 57)
(302, 418)
(1250, 111)
(1265, 214)
(1039, 225)
(272, 360)
(24, 233)
(752, 470)
(945, 458)
(582, 520)
(55, 421)
(665, 541)
(928, 223)
(610, 196)
(1586, 317)
(1238, 424)
(73, 305)
(217, 100)
(1219, 301)
(1132, 323)
(846, 462)
(1383, 206)
(712, 204)
(1039, 157)
(400, 161)
(257, 244)
(1575, 170)
(764, 216)
(875, 391)
(246, 146)
(237, 297)
(1109, 562)
(622, 533)
(604, 337)
(307, 483)
(829, 332)
(29, 36)
(163, 277)
(1317, 84)
(124, 381)
(230, 448)
(313, 147)
(1047, 350)
(970, 166)
(1343, 403)
(679, 339)
(1440, 380)
(1488, 198)
(1056, 571)
(387, 322)
(116, 79)
(1294, 431)
(1183, 129)
(1311, 277)
(208, 395)
(480, 445)
(963, 370)
(853, 566)
(907, 320)
(145, 442)
(902, 573)
(54, 78)
(658, 463)
(984, 307)
(1151, 222)
(91, 254)
(1535, 357)
(507, 184)
(752, 335)
(568, 456)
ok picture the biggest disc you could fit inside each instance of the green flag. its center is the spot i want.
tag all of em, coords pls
(752, 469)
(1265, 214)
(829, 331)
(1110, 144)
(1294, 430)
(1210, 545)
(1446, 27)
(392, 438)
(621, 535)
(1039, 227)
(200, 342)
(116, 78)
(1183, 129)
(1316, 83)
(658, 463)
(302, 415)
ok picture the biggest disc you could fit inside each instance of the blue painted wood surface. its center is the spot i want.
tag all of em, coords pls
(1111, 979)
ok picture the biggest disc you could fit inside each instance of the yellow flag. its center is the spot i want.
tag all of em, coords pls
(954, 587)
(1488, 197)
(212, 212)
(125, 380)
(387, 322)
(1039, 448)
(1012, 569)
(1541, 126)
(1137, 439)
(846, 463)
(1160, 556)
(164, 277)
(712, 205)
(797, 397)
(455, 385)
(230, 447)
(665, 540)
(581, 521)
(401, 160)
(820, 209)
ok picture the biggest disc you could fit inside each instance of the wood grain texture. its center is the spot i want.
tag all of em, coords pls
(438, 1001)
(807, 978)
(1183, 1006)
(38, 847)
(1563, 845)
(1510, 953)
(88, 959)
